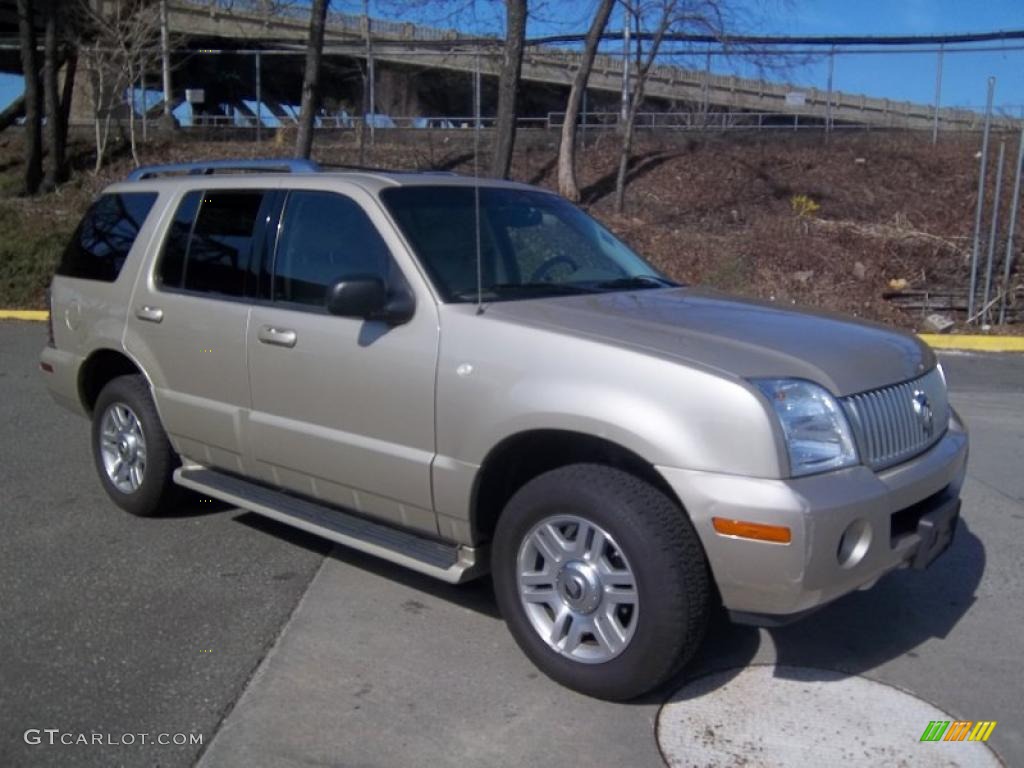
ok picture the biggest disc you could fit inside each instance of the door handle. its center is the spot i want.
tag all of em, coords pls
(281, 337)
(150, 314)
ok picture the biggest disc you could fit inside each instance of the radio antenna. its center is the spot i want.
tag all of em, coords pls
(476, 182)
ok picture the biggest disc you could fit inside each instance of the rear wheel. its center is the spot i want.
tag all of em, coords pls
(601, 579)
(133, 456)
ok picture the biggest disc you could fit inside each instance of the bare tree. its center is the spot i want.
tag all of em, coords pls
(508, 88)
(119, 39)
(567, 184)
(311, 78)
(55, 121)
(663, 16)
(33, 101)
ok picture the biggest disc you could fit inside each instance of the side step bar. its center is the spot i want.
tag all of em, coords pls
(448, 562)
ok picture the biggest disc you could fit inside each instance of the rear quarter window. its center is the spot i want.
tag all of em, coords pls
(105, 236)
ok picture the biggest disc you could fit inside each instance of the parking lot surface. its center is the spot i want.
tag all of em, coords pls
(216, 622)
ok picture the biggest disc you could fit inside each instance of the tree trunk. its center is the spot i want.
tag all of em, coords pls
(508, 88)
(131, 115)
(624, 153)
(634, 107)
(567, 184)
(311, 79)
(55, 131)
(33, 112)
(70, 71)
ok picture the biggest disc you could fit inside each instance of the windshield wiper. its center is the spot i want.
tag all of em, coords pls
(637, 281)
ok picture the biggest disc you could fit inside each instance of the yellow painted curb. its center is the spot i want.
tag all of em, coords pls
(23, 314)
(974, 343)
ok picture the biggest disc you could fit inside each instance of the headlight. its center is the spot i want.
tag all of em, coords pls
(817, 434)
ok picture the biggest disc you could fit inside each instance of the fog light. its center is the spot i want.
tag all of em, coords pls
(854, 543)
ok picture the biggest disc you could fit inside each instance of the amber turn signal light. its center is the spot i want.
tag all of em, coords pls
(778, 534)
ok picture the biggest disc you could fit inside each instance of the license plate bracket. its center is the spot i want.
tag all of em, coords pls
(936, 530)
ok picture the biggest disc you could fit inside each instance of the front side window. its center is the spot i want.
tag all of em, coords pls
(209, 246)
(325, 237)
(530, 243)
(104, 237)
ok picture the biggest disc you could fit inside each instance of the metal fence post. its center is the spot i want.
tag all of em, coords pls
(145, 101)
(976, 246)
(938, 96)
(706, 85)
(259, 101)
(370, 74)
(994, 231)
(828, 106)
(625, 65)
(1008, 262)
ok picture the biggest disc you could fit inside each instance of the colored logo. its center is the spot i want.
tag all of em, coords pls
(958, 730)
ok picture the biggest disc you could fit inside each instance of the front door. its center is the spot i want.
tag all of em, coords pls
(342, 408)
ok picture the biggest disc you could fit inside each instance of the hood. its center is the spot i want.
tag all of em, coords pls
(740, 337)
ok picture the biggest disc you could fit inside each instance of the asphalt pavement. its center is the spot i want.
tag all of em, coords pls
(216, 622)
(113, 624)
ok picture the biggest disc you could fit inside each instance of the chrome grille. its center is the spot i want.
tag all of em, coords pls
(891, 427)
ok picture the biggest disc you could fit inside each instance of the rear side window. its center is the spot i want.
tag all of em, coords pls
(104, 237)
(209, 246)
(325, 237)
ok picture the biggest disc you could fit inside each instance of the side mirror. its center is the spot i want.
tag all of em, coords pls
(368, 297)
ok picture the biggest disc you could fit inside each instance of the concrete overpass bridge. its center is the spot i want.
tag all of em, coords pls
(406, 44)
(428, 71)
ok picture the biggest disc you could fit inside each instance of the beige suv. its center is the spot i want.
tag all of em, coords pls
(463, 375)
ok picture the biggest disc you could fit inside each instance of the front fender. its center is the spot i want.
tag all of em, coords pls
(497, 379)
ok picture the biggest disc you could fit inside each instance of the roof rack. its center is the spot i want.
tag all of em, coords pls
(209, 167)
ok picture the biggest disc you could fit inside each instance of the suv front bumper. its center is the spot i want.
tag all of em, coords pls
(903, 516)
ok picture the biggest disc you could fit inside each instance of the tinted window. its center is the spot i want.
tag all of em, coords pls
(209, 245)
(324, 238)
(220, 248)
(105, 236)
(172, 262)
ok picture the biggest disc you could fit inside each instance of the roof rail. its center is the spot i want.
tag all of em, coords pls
(378, 169)
(208, 167)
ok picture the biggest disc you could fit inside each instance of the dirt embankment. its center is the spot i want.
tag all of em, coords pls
(792, 219)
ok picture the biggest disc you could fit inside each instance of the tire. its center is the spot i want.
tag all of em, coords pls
(647, 536)
(127, 401)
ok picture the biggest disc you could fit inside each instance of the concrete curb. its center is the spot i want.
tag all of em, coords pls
(964, 343)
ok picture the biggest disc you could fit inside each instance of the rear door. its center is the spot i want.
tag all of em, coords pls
(188, 320)
(342, 408)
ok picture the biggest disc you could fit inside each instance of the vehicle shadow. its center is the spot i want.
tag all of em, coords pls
(196, 505)
(289, 533)
(851, 636)
(476, 595)
(858, 632)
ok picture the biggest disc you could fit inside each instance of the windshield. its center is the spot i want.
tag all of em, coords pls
(532, 244)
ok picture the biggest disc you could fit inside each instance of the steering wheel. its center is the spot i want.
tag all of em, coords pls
(542, 271)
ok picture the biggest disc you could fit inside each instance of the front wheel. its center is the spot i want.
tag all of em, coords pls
(133, 456)
(601, 579)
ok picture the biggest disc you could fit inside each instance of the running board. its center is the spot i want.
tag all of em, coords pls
(448, 562)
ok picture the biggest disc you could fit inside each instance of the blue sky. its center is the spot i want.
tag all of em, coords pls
(911, 76)
(895, 76)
